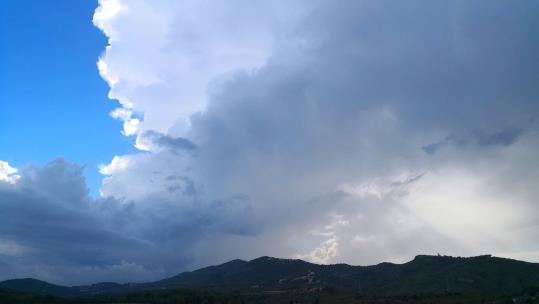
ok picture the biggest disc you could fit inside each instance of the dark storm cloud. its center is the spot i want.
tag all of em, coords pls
(49, 214)
(50, 224)
(168, 142)
(446, 64)
(345, 103)
(449, 66)
(447, 141)
(367, 84)
(504, 137)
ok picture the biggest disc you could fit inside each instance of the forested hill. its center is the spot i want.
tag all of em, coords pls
(267, 275)
(427, 274)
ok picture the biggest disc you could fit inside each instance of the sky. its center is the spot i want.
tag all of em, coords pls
(142, 138)
(54, 104)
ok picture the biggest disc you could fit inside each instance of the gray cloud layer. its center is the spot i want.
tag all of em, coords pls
(374, 131)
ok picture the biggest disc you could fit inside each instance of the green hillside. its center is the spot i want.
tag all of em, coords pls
(267, 276)
(37, 287)
(424, 274)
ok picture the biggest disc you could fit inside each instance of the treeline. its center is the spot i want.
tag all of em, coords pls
(529, 295)
(178, 296)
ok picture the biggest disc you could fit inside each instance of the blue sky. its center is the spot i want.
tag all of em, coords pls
(53, 101)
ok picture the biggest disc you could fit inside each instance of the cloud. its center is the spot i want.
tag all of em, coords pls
(8, 174)
(179, 48)
(505, 137)
(50, 228)
(47, 218)
(346, 95)
(151, 140)
(358, 131)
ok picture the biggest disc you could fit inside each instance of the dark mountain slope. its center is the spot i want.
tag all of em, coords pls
(37, 287)
(266, 275)
(475, 274)
(424, 274)
(264, 271)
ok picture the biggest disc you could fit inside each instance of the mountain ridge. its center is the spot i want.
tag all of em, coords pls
(423, 274)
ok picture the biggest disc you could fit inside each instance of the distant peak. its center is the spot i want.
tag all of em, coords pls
(235, 261)
(264, 258)
(273, 259)
(25, 280)
(447, 257)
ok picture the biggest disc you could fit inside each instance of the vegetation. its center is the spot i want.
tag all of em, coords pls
(175, 296)
(528, 295)
(426, 279)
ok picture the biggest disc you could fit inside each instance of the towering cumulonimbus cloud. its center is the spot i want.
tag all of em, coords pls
(347, 129)
(350, 131)
(177, 48)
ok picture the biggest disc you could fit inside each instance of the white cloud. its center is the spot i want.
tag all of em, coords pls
(329, 248)
(323, 254)
(8, 174)
(106, 11)
(163, 54)
(117, 165)
(121, 114)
